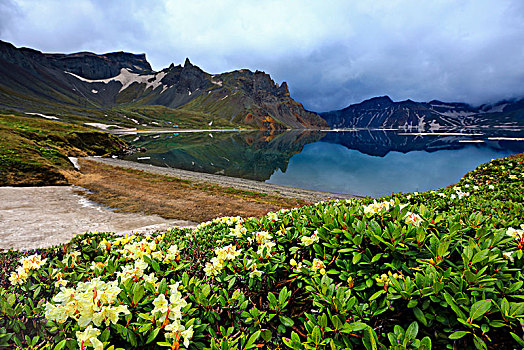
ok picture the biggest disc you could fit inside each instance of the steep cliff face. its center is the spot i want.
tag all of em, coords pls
(382, 112)
(110, 80)
(91, 66)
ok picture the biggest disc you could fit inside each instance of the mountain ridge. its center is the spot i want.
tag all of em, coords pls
(383, 112)
(31, 80)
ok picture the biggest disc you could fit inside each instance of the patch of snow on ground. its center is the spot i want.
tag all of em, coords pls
(496, 109)
(44, 116)
(223, 98)
(506, 138)
(451, 113)
(101, 125)
(94, 91)
(219, 83)
(74, 160)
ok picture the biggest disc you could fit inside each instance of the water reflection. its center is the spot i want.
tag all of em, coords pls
(363, 162)
(249, 155)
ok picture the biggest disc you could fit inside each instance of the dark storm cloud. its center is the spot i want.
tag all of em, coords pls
(331, 53)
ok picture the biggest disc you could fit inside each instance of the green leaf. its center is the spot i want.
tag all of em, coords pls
(479, 308)
(479, 343)
(356, 258)
(357, 326)
(377, 294)
(206, 290)
(425, 344)
(252, 339)
(266, 335)
(370, 339)
(517, 339)
(138, 293)
(457, 334)
(411, 332)
(152, 335)
(483, 254)
(11, 298)
(60, 345)
(316, 336)
(286, 321)
(272, 300)
(419, 314)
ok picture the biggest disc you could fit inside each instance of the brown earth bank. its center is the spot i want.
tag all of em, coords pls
(135, 191)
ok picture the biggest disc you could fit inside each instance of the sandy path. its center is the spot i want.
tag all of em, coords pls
(37, 217)
(227, 181)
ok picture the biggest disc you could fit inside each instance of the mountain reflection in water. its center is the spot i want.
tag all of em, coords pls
(363, 162)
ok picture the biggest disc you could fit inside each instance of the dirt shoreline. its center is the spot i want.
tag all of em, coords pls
(145, 198)
(227, 181)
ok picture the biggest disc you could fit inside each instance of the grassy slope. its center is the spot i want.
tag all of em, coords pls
(34, 151)
(448, 278)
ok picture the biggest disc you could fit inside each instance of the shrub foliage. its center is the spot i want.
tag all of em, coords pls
(439, 269)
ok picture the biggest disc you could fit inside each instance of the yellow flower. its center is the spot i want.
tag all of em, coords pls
(309, 240)
(262, 237)
(255, 273)
(318, 265)
(16, 278)
(109, 314)
(89, 338)
(272, 216)
(161, 304)
(60, 283)
(382, 279)
(412, 218)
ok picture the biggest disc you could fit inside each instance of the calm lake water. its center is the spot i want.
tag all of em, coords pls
(364, 162)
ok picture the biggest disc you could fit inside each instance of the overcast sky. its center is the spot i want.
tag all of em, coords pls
(331, 53)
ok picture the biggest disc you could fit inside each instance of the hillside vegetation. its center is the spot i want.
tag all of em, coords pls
(439, 269)
(34, 151)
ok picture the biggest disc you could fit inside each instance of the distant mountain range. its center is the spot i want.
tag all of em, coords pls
(382, 112)
(115, 83)
(121, 89)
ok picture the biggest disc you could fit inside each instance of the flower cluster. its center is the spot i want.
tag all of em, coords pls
(238, 231)
(296, 266)
(135, 271)
(376, 207)
(228, 220)
(89, 338)
(172, 254)
(265, 244)
(272, 216)
(33, 262)
(309, 240)
(168, 313)
(516, 233)
(318, 265)
(138, 249)
(413, 219)
(223, 254)
(386, 279)
(70, 259)
(90, 302)
(459, 193)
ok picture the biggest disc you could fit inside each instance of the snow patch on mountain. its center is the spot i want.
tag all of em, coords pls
(127, 78)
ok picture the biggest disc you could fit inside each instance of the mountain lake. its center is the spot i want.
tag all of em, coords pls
(359, 162)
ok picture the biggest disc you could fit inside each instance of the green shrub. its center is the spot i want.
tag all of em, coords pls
(438, 269)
